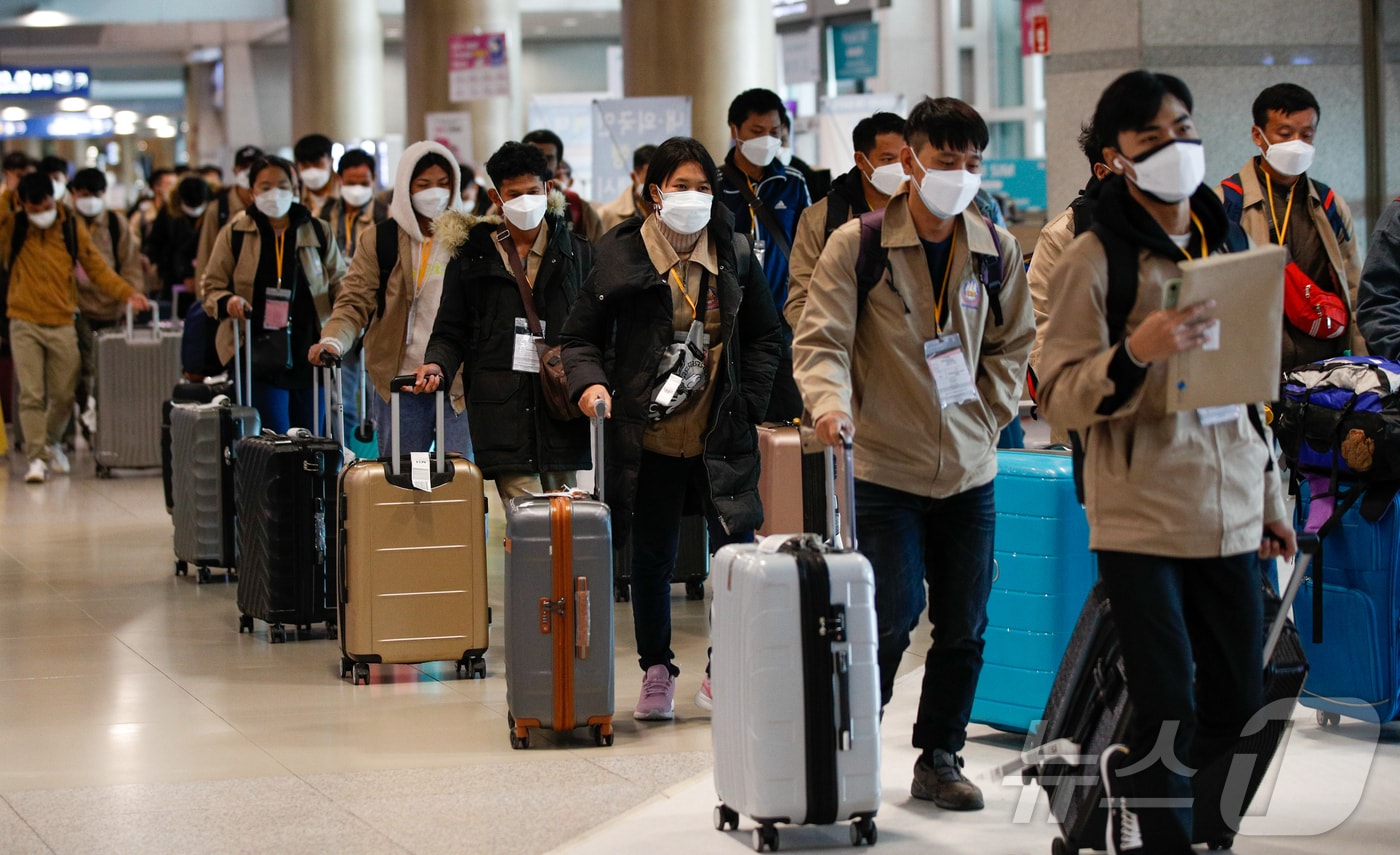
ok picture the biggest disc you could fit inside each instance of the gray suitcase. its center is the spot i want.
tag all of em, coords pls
(135, 370)
(559, 633)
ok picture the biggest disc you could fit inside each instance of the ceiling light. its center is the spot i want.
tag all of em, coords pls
(124, 130)
(46, 18)
(125, 117)
(73, 105)
(157, 122)
(100, 111)
(14, 114)
(165, 132)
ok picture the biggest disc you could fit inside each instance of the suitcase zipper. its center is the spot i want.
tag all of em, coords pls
(821, 626)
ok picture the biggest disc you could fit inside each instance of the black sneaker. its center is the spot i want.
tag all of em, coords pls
(1123, 833)
(938, 778)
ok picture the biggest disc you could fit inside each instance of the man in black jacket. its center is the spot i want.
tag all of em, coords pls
(482, 324)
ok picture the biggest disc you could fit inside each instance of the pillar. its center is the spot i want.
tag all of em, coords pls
(207, 140)
(337, 62)
(427, 26)
(710, 51)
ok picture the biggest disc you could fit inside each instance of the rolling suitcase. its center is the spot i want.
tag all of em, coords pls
(1043, 573)
(796, 724)
(134, 370)
(412, 567)
(285, 488)
(790, 481)
(1089, 709)
(692, 561)
(203, 440)
(183, 393)
(559, 648)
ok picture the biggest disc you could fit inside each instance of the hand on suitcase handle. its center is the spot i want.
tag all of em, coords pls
(321, 351)
(238, 308)
(427, 378)
(835, 429)
(1278, 541)
(591, 397)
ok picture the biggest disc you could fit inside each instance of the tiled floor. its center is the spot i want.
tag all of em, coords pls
(134, 718)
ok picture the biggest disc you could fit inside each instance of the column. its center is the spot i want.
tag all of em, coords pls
(710, 51)
(337, 62)
(206, 140)
(427, 26)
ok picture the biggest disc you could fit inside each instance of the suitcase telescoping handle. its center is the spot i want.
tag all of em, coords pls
(131, 322)
(396, 387)
(1308, 547)
(334, 402)
(600, 413)
(841, 496)
(243, 370)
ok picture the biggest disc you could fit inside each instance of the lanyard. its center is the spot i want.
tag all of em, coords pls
(942, 296)
(426, 256)
(753, 214)
(1205, 250)
(279, 241)
(685, 292)
(1280, 234)
(350, 231)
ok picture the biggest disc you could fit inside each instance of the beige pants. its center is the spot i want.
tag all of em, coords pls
(47, 365)
(522, 484)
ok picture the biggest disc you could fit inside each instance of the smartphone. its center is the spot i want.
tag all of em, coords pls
(1171, 292)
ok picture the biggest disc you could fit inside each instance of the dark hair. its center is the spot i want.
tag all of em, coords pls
(468, 177)
(1131, 102)
(757, 102)
(312, 148)
(1287, 98)
(543, 136)
(428, 161)
(867, 129)
(193, 191)
(244, 157)
(945, 123)
(17, 160)
(182, 168)
(209, 167)
(1090, 144)
(52, 164)
(513, 160)
(89, 181)
(669, 157)
(353, 158)
(34, 188)
(272, 161)
(642, 156)
(158, 174)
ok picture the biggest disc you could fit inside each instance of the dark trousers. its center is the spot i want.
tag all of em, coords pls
(662, 485)
(1191, 634)
(944, 545)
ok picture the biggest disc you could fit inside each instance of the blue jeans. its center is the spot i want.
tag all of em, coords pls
(945, 544)
(662, 485)
(419, 416)
(350, 389)
(283, 409)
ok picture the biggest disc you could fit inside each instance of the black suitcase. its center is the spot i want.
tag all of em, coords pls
(1089, 709)
(183, 393)
(692, 561)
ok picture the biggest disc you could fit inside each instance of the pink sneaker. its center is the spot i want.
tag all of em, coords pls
(703, 698)
(657, 701)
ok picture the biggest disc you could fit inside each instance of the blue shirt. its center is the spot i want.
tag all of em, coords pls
(784, 191)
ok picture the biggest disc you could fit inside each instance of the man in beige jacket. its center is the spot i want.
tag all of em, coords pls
(921, 365)
(629, 203)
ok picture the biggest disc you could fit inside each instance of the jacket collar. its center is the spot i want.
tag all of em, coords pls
(1253, 189)
(250, 219)
(898, 230)
(1121, 213)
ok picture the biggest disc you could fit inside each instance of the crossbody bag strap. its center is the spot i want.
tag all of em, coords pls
(761, 212)
(527, 296)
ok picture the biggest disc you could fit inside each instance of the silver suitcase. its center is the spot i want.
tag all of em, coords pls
(135, 370)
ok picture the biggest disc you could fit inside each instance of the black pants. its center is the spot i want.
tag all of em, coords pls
(1191, 634)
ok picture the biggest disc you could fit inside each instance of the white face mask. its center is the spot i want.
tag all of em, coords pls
(356, 195)
(525, 212)
(43, 219)
(192, 212)
(431, 202)
(60, 189)
(784, 154)
(887, 178)
(687, 211)
(948, 192)
(90, 206)
(1293, 157)
(274, 203)
(240, 179)
(760, 151)
(315, 178)
(1172, 171)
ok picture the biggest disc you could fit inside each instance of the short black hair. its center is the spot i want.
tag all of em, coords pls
(670, 155)
(181, 168)
(428, 161)
(867, 129)
(89, 181)
(355, 157)
(244, 157)
(158, 174)
(1287, 98)
(642, 156)
(193, 191)
(17, 160)
(209, 167)
(53, 163)
(34, 188)
(513, 160)
(543, 136)
(272, 161)
(753, 102)
(945, 123)
(312, 148)
(1090, 144)
(1131, 102)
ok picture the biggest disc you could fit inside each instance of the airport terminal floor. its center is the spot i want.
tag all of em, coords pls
(136, 718)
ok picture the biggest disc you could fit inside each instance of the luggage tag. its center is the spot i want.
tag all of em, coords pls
(1212, 416)
(667, 393)
(277, 308)
(422, 472)
(951, 379)
(527, 355)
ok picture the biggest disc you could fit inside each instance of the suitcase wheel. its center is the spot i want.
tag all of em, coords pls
(361, 674)
(182, 569)
(622, 593)
(103, 472)
(276, 633)
(602, 735)
(245, 624)
(204, 575)
(1221, 844)
(765, 837)
(1328, 719)
(863, 831)
(346, 666)
(333, 632)
(726, 817)
(473, 667)
(695, 590)
(1061, 846)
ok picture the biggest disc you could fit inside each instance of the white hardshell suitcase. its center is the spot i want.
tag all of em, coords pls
(795, 679)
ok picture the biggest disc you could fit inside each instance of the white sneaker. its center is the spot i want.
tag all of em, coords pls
(1123, 833)
(38, 472)
(58, 461)
(89, 416)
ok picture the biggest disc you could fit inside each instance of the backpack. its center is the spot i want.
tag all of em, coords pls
(1233, 200)
(386, 246)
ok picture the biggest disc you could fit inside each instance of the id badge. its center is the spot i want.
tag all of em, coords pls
(526, 357)
(951, 379)
(277, 308)
(1212, 416)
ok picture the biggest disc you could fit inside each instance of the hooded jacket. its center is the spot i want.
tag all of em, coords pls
(476, 323)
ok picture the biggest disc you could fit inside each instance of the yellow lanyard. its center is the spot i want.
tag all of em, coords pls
(279, 241)
(942, 296)
(349, 231)
(685, 292)
(1280, 234)
(423, 266)
(1205, 250)
(753, 215)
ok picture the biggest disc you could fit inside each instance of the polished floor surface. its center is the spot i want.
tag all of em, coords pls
(135, 718)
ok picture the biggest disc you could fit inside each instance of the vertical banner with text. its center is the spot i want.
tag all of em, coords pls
(621, 126)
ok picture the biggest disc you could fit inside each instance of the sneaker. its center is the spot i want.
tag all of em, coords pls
(89, 416)
(58, 461)
(1123, 833)
(938, 778)
(703, 699)
(38, 472)
(657, 701)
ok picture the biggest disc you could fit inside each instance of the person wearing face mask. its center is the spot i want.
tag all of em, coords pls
(319, 184)
(393, 292)
(631, 203)
(922, 368)
(277, 266)
(56, 168)
(40, 245)
(515, 440)
(1181, 505)
(681, 275)
(1275, 199)
(233, 198)
(174, 238)
(581, 214)
(766, 199)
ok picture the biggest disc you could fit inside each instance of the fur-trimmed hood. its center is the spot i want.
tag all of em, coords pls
(401, 208)
(453, 226)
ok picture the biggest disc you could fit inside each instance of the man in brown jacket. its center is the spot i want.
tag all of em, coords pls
(41, 242)
(923, 368)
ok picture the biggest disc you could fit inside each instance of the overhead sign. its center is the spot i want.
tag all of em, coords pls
(1035, 28)
(855, 51)
(1021, 179)
(58, 126)
(622, 126)
(453, 131)
(22, 82)
(477, 66)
